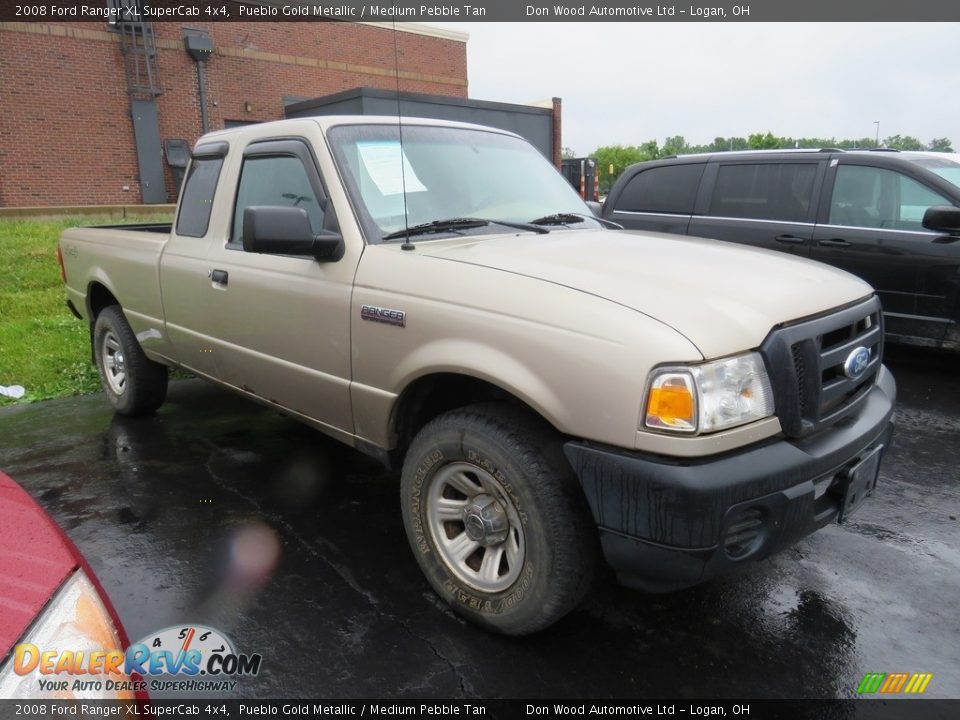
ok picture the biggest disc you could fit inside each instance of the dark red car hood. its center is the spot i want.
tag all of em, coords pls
(35, 558)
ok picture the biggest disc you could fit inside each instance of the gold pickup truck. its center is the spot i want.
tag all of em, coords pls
(557, 392)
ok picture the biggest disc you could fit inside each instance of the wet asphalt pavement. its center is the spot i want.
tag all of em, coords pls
(179, 514)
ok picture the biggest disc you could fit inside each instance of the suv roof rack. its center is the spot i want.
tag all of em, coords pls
(674, 156)
(766, 151)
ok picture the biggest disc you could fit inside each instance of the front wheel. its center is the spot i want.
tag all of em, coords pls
(134, 384)
(496, 519)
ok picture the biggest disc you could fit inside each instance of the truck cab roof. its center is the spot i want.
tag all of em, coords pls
(325, 122)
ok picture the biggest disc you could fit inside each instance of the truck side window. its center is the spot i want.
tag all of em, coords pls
(767, 191)
(279, 180)
(877, 198)
(667, 189)
(197, 201)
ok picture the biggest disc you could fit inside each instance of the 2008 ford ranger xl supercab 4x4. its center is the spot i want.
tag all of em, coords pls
(554, 390)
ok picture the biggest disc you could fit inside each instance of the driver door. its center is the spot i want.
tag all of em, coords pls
(872, 227)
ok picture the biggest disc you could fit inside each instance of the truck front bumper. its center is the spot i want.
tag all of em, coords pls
(666, 524)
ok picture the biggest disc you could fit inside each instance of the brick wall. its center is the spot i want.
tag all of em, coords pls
(65, 132)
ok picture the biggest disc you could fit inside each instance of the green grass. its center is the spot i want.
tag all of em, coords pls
(42, 345)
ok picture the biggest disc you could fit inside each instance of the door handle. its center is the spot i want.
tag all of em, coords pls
(834, 242)
(789, 239)
(219, 276)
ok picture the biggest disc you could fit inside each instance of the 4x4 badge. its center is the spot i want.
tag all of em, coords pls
(384, 315)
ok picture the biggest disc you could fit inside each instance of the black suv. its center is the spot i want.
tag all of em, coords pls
(862, 211)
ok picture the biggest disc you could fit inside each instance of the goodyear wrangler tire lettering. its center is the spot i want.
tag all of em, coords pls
(415, 499)
(496, 519)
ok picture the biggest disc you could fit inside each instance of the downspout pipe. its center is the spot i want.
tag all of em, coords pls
(202, 92)
(199, 46)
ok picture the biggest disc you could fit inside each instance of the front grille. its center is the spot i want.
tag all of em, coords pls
(800, 367)
(806, 361)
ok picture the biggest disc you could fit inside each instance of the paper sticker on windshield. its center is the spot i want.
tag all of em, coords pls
(382, 161)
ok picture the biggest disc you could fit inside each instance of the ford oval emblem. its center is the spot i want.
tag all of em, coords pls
(856, 363)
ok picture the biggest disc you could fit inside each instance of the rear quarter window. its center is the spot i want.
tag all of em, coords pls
(665, 189)
(764, 191)
(193, 217)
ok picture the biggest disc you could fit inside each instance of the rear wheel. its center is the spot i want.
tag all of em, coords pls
(134, 384)
(496, 519)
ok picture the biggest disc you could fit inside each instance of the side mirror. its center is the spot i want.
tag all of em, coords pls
(595, 207)
(287, 231)
(942, 218)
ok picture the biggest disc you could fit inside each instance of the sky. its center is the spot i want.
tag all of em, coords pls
(627, 83)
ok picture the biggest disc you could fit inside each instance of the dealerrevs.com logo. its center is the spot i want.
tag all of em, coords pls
(179, 658)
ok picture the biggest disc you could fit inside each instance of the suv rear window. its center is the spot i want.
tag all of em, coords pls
(767, 191)
(665, 189)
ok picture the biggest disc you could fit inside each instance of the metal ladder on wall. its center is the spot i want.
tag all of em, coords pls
(138, 45)
(139, 49)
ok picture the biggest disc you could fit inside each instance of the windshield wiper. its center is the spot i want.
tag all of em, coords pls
(465, 223)
(521, 226)
(435, 226)
(559, 219)
(608, 223)
(568, 218)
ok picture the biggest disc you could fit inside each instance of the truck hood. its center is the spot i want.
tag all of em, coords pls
(722, 297)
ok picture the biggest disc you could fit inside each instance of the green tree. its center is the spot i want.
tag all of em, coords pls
(815, 143)
(758, 141)
(941, 145)
(620, 157)
(623, 155)
(651, 150)
(567, 153)
(903, 142)
(676, 145)
(719, 144)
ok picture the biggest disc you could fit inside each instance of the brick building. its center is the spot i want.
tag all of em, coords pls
(66, 133)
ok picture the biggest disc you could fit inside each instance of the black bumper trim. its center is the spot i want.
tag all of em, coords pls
(663, 523)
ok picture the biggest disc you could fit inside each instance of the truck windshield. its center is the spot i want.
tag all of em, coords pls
(445, 173)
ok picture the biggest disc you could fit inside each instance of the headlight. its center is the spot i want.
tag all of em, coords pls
(77, 621)
(710, 397)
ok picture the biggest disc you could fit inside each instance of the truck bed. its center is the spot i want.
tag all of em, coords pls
(163, 228)
(124, 260)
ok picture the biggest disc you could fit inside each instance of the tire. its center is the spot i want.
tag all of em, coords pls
(134, 384)
(494, 477)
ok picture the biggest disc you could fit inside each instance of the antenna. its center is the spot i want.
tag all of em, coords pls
(407, 245)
